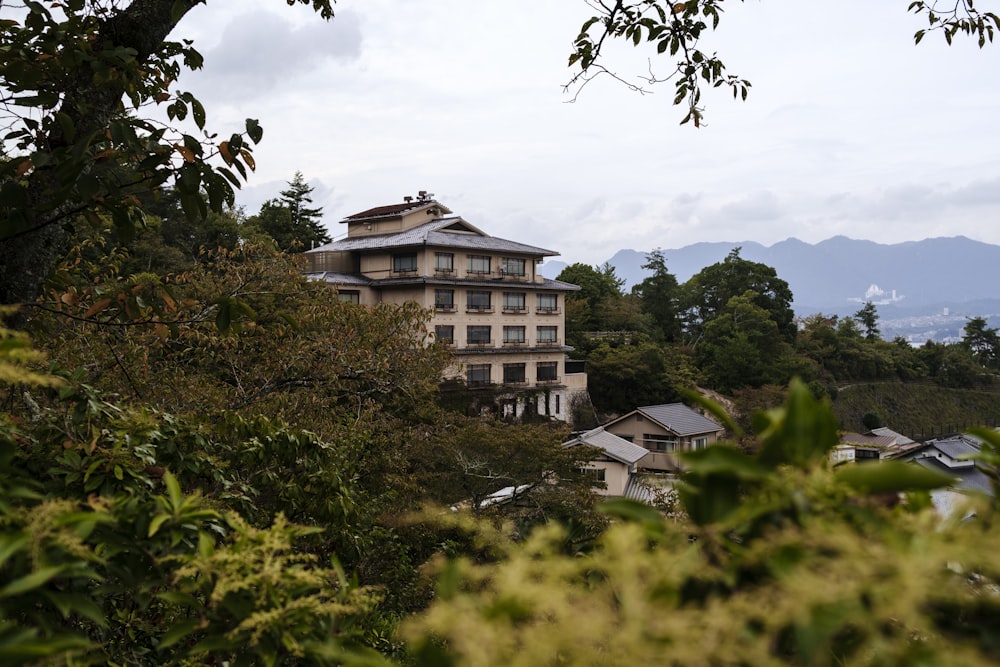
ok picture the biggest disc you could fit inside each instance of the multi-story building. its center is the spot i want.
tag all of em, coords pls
(504, 321)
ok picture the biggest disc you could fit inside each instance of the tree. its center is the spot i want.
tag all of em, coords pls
(983, 342)
(599, 287)
(674, 30)
(658, 295)
(75, 152)
(289, 220)
(868, 317)
(706, 294)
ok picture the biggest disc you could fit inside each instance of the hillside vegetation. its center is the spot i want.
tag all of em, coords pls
(919, 411)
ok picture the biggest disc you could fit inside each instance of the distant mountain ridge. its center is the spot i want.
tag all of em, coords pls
(836, 276)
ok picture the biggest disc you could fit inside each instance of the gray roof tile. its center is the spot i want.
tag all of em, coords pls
(433, 234)
(680, 419)
(617, 448)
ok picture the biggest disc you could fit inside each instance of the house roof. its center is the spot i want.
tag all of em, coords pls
(900, 438)
(395, 210)
(353, 279)
(868, 440)
(678, 418)
(435, 233)
(968, 478)
(617, 448)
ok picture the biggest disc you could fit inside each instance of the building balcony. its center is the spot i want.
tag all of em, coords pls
(479, 309)
(547, 311)
(444, 273)
(445, 307)
(479, 344)
(514, 310)
(514, 343)
(515, 382)
(548, 343)
(542, 382)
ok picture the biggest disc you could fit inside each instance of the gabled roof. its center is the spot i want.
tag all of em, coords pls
(900, 438)
(451, 232)
(867, 440)
(970, 478)
(395, 210)
(616, 448)
(677, 418)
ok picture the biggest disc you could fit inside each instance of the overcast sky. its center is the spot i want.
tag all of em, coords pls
(849, 129)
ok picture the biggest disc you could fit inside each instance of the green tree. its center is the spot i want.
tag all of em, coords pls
(74, 150)
(623, 377)
(983, 342)
(658, 295)
(599, 289)
(868, 317)
(705, 295)
(290, 221)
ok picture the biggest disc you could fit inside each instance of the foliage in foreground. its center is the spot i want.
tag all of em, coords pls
(785, 561)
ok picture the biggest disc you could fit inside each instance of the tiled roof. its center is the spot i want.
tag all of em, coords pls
(335, 278)
(394, 210)
(864, 439)
(680, 419)
(617, 448)
(900, 438)
(432, 234)
(970, 478)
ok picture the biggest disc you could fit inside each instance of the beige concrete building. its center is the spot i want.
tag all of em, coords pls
(503, 320)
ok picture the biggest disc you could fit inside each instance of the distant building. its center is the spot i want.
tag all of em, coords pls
(503, 320)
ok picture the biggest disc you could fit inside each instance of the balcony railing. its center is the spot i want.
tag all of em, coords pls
(444, 272)
(514, 343)
(548, 343)
(545, 310)
(478, 309)
(444, 307)
(515, 310)
(479, 343)
(551, 380)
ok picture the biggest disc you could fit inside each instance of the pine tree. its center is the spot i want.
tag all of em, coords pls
(290, 221)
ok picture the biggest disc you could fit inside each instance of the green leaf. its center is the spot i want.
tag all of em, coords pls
(893, 477)
(178, 632)
(156, 523)
(31, 581)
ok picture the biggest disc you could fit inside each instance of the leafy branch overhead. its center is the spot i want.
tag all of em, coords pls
(675, 29)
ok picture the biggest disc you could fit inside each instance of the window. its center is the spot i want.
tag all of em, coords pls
(404, 263)
(513, 302)
(444, 262)
(477, 335)
(444, 299)
(596, 474)
(513, 335)
(700, 443)
(656, 442)
(479, 264)
(477, 300)
(349, 296)
(547, 371)
(558, 403)
(445, 333)
(512, 266)
(477, 375)
(513, 373)
(548, 303)
(547, 335)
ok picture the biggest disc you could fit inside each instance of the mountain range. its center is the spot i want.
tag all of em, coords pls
(954, 276)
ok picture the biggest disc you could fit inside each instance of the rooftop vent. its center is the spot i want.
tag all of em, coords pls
(407, 199)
